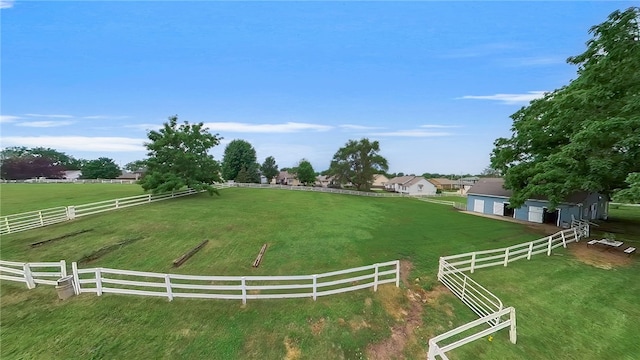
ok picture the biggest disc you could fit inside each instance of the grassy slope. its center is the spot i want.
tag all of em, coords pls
(17, 198)
(307, 233)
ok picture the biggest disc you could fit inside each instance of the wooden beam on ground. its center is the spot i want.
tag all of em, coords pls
(107, 249)
(179, 261)
(256, 263)
(60, 237)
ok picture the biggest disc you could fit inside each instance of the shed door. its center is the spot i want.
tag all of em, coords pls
(478, 205)
(535, 214)
(498, 208)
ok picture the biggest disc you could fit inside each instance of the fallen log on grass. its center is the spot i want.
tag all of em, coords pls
(256, 263)
(179, 261)
(60, 237)
(106, 249)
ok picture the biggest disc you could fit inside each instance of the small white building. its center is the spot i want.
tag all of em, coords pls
(411, 185)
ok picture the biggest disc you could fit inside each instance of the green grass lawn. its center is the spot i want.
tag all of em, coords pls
(307, 233)
(22, 197)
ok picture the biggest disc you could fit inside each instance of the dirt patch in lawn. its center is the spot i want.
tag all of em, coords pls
(598, 256)
(409, 318)
(293, 352)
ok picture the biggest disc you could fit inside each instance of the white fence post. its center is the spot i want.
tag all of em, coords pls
(375, 278)
(98, 282)
(464, 286)
(117, 203)
(512, 330)
(63, 268)
(473, 262)
(71, 212)
(244, 290)
(397, 273)
(6, 224)
(149, 198)
(564, 240)
(575, 234)
(28, 278)
(315, 287)
(506, 257)
(76, 278)
(167, 282)
(530, 250)
(549, 247)
(41, 219)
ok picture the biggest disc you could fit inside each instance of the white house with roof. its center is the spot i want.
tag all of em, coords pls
(411, 185)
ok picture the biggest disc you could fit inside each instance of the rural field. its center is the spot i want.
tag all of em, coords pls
(571, 305)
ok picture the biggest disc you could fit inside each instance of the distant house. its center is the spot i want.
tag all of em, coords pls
(379, 181)
(72, 174)
(136, 175)
(488, 196)
(324, 180)
(285, 178)
(445, 184)
(411, 185)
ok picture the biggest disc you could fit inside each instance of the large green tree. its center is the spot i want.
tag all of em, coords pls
(269, 168)
(631, 194)
(585, 135)
(137, 165)
(357, 162)
(102, 168)
(237, 155)
(57, 158)
(178, 157)
(305, 173)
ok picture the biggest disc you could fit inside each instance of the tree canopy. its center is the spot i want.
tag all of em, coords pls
(584, 136)
(102, 168)
(239, 154)
(631, 194)
(137, 165)
(30, 166)
(56, 158)
(178, 157)
(269, 168)
(357, 162)
(305, 173)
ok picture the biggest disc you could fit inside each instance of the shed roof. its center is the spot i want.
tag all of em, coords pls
(495, 187)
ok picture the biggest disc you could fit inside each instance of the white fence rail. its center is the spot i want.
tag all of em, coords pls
(33, 273)
(439, 350)
(480, 300)
(34, 219)
(103, 281)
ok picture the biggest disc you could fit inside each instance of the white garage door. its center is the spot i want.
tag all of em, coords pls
(478, 205)
(535, 214)
(498, 208)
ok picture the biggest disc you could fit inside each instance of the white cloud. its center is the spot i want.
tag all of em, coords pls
(358, 127)
(510, 99)
(145, 126)
(288, 127)
(8, 118)
(535, 61)
(6, 4)
(44, 124)
(411, 133)
(104, 117)
(431, 126)
(77, 143)
(54, 116)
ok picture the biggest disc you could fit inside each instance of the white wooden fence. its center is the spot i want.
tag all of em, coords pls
(480, 300)
(436, 349)
(34, 219)
(33, 273)
(103, 280)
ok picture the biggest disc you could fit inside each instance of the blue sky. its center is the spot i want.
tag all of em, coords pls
(433, 82)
